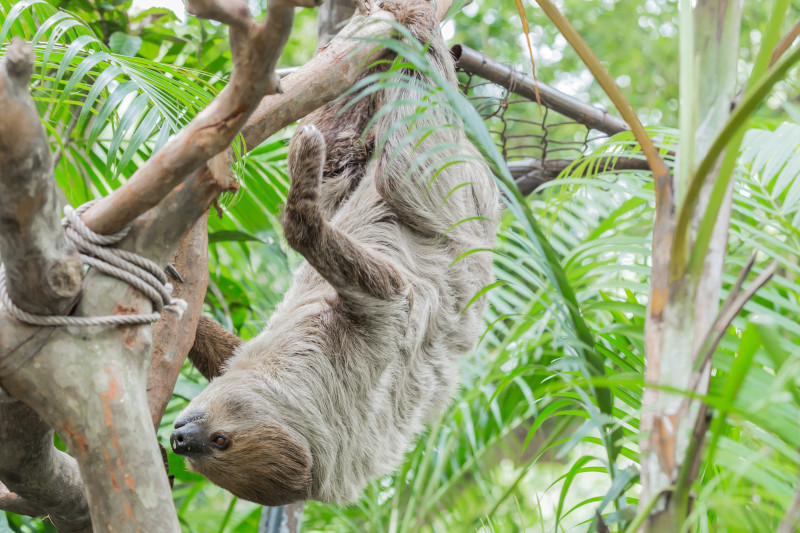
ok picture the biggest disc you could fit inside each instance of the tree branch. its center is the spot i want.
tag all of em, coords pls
(44, 480)
(785, 43)
(108, 426)
(173, 336)
(730, 309)
(14, 503)
(533, 172)
(43, 272)
(329, 74)
(256, 48)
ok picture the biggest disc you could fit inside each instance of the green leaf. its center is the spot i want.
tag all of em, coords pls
(124, 44)
(231, 235)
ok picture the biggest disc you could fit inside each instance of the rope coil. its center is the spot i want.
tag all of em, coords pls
(95, 250)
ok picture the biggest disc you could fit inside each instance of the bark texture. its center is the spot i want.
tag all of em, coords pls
(683, 307)
(43, 271)
(172, 335)
(39, 479)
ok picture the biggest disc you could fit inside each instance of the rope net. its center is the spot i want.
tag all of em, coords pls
(521, 128)
(537, 142)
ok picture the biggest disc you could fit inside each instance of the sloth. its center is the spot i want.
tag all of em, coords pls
(395, 228)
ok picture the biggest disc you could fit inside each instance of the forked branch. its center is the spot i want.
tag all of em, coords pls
(256, 48)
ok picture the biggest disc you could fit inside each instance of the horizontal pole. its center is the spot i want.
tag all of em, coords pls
(523, 85)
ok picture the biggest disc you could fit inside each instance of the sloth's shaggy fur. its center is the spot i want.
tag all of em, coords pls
(363, 350)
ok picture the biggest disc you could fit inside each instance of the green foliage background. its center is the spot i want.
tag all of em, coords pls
(544, 431)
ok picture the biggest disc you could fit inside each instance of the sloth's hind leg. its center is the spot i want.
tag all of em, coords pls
(346, 264)
(427, 171)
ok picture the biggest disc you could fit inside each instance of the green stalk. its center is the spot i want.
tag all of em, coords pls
(644, 514)
(688, 100)
(763, 60)
(736, 122)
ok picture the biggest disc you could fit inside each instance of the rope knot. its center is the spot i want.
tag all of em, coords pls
(96, 250)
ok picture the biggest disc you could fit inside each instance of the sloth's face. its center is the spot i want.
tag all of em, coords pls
(229, 435)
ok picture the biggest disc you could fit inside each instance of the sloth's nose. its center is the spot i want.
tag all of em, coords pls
(189, 439)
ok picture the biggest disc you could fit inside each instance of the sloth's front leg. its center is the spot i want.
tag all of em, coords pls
(347, 265)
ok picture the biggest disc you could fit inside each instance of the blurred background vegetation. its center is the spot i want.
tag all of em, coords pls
(521, 448)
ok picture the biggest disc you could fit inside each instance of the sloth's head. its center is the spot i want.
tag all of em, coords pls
(230, 434)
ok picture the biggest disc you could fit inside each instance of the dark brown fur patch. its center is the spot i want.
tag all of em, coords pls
(268, 466)
(348, 149)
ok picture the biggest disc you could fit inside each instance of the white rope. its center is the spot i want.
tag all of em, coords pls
(135, 270)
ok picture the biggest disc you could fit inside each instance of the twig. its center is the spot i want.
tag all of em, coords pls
(690, 466)
(780, 49)
(731, 308)
(785, 43)
(735, 289)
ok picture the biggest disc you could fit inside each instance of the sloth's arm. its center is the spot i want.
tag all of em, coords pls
(213, 345)
(347, 265)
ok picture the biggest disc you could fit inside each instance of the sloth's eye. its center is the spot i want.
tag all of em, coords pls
(220, 442)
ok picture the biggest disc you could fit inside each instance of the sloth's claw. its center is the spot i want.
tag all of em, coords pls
(173, 272)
